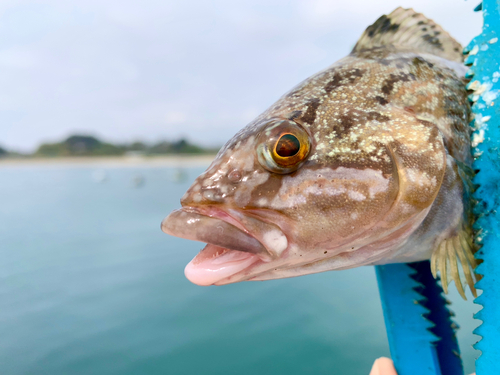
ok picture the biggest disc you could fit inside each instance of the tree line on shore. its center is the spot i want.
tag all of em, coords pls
(84, 145)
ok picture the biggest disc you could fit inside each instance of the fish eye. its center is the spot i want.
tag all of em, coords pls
(288, 145)
(283, 146)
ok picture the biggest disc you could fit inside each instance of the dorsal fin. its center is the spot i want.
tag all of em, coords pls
(411, 30)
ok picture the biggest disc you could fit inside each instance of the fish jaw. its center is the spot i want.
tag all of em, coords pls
(231, 248)
(215, 263)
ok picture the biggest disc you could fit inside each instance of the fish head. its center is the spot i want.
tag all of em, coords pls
(354, 166)
(271, 205)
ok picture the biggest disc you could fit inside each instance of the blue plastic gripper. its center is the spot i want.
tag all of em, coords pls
(419, 327)
(484, 74)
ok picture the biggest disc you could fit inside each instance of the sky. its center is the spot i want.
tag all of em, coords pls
(155, 70)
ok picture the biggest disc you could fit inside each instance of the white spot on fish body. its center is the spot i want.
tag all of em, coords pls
(280, 202)
(207, 182)
(208, 194)
(334, 184)
(493, 40)
(438, 157)
(325, 190)
(243, 194)
(262, 202)
(420, 178)
(356, 196)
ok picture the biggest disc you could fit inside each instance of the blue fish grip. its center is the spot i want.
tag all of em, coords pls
(419, 327)
(484, 74)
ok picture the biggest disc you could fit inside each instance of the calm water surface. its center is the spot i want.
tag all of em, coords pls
(90, 285)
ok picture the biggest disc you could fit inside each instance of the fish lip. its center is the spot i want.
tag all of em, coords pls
(217, 213)
(249, 243)
(246, 221)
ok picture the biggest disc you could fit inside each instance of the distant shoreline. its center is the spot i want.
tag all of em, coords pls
(112, 161)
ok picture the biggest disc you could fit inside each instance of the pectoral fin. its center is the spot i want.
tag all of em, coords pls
(452, 252)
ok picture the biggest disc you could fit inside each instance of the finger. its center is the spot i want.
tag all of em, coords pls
(383, 366)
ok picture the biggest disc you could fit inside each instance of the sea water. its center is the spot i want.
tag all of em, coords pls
(90, 285)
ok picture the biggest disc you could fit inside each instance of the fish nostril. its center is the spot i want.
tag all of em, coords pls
(234, 175)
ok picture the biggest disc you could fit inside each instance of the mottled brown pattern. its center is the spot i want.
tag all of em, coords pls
(335, 82)
(370, 116)
(340, 80)
(384, 177)
(310, 114)
(381, 26)
(395, 78)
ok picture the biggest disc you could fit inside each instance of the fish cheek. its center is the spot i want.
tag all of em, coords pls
(262, 195)
(345, 219)
(333, 207)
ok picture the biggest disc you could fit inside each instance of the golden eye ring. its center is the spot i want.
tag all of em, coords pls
(283, 146)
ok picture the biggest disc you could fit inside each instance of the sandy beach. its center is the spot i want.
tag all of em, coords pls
(111, 162)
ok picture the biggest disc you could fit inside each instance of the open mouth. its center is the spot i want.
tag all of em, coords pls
(231, 248)
(215, 263)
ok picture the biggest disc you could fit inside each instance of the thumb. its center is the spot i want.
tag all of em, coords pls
(383, 366)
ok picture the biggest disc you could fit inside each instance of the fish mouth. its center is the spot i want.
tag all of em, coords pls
(231, 246)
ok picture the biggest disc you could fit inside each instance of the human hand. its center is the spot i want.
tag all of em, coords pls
(384, 366)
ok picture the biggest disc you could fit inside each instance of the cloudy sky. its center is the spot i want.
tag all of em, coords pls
(161, 69)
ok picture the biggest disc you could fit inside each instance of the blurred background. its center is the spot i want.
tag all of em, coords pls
(108, 111)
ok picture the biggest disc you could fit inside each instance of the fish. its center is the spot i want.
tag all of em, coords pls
(367, 162)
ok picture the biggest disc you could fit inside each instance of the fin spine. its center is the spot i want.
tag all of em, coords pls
(452, 257)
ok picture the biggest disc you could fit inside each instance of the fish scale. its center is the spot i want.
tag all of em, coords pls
(379, 172)
(375, 170)
(483, 59)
